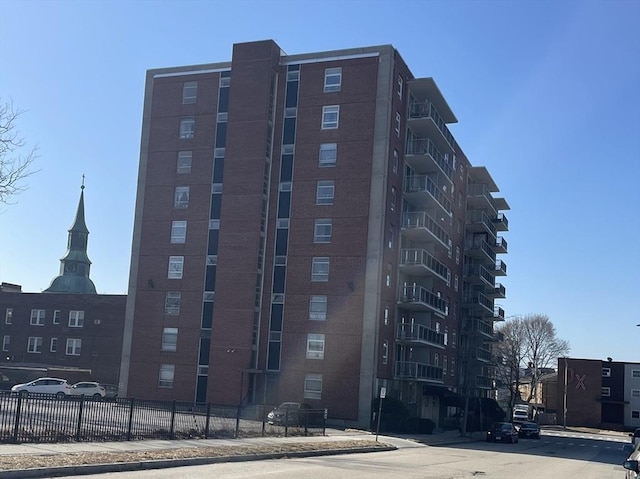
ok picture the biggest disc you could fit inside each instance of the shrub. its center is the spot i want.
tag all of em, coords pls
(394, 415)
(418, 425)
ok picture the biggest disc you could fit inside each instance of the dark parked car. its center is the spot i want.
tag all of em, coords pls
(111, 391)
(529, 429)
(295, 414)
(502, 432)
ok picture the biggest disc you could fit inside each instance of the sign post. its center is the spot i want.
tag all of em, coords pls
(383, 393)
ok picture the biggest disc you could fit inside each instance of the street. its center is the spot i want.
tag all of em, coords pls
(557, 455)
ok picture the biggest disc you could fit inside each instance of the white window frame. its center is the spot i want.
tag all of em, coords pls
(34, 345)
(183, 162)
(400, 86)
(181, 197)
(328, 155)
(320, 269)
(635, 414)
(53, 345)
(332, 79)
(313, 386)
(635, 373)
(330, 117)
(395, 160)
(6, 342)
(325, 192)
(635, 393)
(385, 351)
(8, 316)
(37, 317)
(457, 254)
(394, 198)
(322, 230)
(605, 392)
(56, 316)
(76, 319)
(453, 366)
(187, 128)
(444, 364)
(189, 92)
(166, 376)
(392, 236)
(178, 232)
(176, 267)
(606, 372)
(386, 314)
(398, 123)
(73, 347)
(172, 302)
(318, 308)
(169, 339)
(315, 346)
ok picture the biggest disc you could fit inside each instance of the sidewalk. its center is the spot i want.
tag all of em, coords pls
(335, 436)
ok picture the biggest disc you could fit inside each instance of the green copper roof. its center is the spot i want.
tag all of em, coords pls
(75, 265)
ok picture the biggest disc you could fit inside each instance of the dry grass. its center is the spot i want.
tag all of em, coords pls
(33, 461)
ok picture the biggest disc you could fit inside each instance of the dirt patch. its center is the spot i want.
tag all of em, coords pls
(33, 461)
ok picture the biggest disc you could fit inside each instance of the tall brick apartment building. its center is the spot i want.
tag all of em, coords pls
(307, 228)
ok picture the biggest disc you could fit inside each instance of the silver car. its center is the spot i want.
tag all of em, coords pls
(55, 386)
(88, 389)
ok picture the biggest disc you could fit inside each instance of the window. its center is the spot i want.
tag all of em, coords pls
(400, 86)
(395, 160)
(189, 92)
(74, 347)
(184, 162)
(606, 372)
(635, 414)
(457, 254)
(6, 342)
(313, 386)
(187, 128)
(330, 117)
(320, 269)
(318, 308)
(386, 316)
(635, 373)
(172, 302)
(392, 234)
(455, 282)
(37, 317)
(385, 351)
(394, 198)
(166, 375)
(34, 345)
(606, 392)
(178, 231)
(315, 346)
(436, 359)
(398, 120)
(176, 265)
(325, 192)
(322, 231)
(56, 316)
(453, 366)
(444, 365)
(53, 347)
(635, 393)
(328, 154)
(8, 316)
(388, 278)
(454, 342)
(169, 339)
(181, 197)
(332, 79)
(76, 319)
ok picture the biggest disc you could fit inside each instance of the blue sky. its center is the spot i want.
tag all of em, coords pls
(547, 95)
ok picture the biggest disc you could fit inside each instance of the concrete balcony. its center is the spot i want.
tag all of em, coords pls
(479, 222)
(478, 274)
(425, 121)
(424, 193)
(417, 371)
(499, 291)
(501, 245)
(483, 382)
(498, 313)
(418, 262)
(417, 298)
(419, 226)
(501, 222)
(480, 250)
(423, 157)
(480, 328)
(484, 355)
(501, 268)
(479, 198)
(478, 303)
(418, 335)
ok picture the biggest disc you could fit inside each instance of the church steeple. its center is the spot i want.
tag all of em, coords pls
(75, 265)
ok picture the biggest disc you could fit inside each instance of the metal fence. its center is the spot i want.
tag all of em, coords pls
(44, 418)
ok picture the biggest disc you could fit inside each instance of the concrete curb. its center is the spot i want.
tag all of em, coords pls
(45, 472)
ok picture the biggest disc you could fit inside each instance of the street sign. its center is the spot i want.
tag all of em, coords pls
(383, 393)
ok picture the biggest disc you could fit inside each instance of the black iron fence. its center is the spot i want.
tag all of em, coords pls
(44, 418)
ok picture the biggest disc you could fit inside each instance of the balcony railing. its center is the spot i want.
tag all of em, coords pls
(479, 248)
(478, 299)
(479, 326)
(418, 333)
(480, 191)
(478, 218)
(419, 220)
(418, 371)
(417, 259)
(501, 222)
(420, 298)
(484, 382)
(472, 271)
(424, 146)
(501, 268)
(499, 291)
(498, 313)
(483, 355)
(424, 184)
(425, 109)
(501, 245)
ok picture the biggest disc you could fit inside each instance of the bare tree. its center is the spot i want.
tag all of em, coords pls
(14, 166)
(530, 342)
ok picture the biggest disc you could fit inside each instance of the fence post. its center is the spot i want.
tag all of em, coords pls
(324, 422)
(286, 421)
(237, 421)
(79, 418)
(130, 419)
(206, 423)
(173, 419)
(16, 426)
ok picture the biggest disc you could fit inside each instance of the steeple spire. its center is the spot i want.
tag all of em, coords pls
(75, 265)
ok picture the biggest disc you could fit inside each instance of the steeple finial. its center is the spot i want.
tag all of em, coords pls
(82, 187)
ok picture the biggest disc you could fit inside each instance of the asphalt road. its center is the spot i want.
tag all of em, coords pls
(555, 456)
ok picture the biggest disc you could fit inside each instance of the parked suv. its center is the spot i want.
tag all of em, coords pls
(88, 389)
(58, 387)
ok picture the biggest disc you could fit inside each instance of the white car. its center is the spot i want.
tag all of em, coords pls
(88, 389)
(58, 387)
